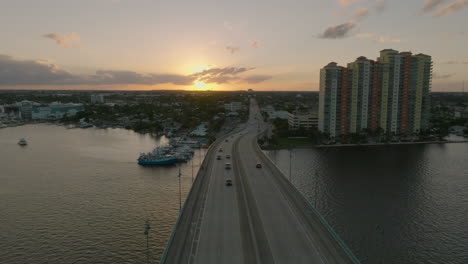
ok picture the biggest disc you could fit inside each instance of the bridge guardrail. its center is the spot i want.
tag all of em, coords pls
(322, 219)
(203, 165)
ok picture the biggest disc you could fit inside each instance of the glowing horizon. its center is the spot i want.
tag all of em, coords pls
(147, 45)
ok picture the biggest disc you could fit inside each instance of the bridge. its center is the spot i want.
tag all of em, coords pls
(261, 218)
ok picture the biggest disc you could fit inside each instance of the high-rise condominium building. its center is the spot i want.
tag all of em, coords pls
(390, 94)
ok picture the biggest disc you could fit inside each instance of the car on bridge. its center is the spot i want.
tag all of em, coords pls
(228, 182)
(228, 156)
(227, 166)
(218, 157)
(259, 165)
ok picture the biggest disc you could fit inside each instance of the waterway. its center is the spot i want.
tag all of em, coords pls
(390, 204)
(78, 196)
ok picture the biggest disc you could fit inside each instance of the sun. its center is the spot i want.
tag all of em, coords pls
(199, 85)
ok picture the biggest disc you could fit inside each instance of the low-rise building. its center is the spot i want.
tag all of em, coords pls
(279, 114)
(233, 106)
(12, 111)
(269, 109)
(55, 111)
(97, 99)
(461, 112)
(304, 120)
(26, 109)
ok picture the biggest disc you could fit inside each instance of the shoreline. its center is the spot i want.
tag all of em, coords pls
(394, 143)
(371, 144)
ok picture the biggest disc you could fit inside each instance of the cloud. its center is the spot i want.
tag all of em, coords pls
(380, 5)
(36, 72)
(69, 40)
(254, 43)
(429, 5)
(130, 77)
(257, 78)
(361, 13)
(384, 39)
(232, 49)
(441, 76)
(229, 74)
(338, 31)
(454, 7)
(345, 3)
(220, 75)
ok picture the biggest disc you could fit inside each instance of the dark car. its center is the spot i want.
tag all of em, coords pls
(258, 165)
(228, 182)
(218, 157)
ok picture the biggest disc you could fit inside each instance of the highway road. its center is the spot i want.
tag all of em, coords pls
(261, 218)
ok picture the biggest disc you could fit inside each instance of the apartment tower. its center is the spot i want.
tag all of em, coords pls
(390, 94)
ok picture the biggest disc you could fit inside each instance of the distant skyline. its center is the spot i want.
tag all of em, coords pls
(220, 45)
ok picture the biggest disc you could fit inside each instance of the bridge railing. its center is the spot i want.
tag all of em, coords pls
(190, 194)
(322, 219)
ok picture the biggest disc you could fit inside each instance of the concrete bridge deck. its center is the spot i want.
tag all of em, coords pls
(261, 218)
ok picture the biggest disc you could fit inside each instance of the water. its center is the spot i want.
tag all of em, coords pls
(78, 196)
(398, 204)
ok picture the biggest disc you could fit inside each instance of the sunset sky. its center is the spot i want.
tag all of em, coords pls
(219, 45)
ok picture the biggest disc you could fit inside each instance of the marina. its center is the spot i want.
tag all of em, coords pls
(176, 151)
(95, 195)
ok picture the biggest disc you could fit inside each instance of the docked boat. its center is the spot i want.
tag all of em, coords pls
(85, 125)
(158, 161)
(160, 156)
(190, 143)
(22, 142)
(166, 155)
(184, 153)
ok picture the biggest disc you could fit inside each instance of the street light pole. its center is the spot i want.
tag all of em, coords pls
(192, 168)
(180, 191)
(315, 189)
(290, 154)
(147, 228)
(199, 155)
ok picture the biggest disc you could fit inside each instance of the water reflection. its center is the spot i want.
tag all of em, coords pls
(78, 196)
(395, 204)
